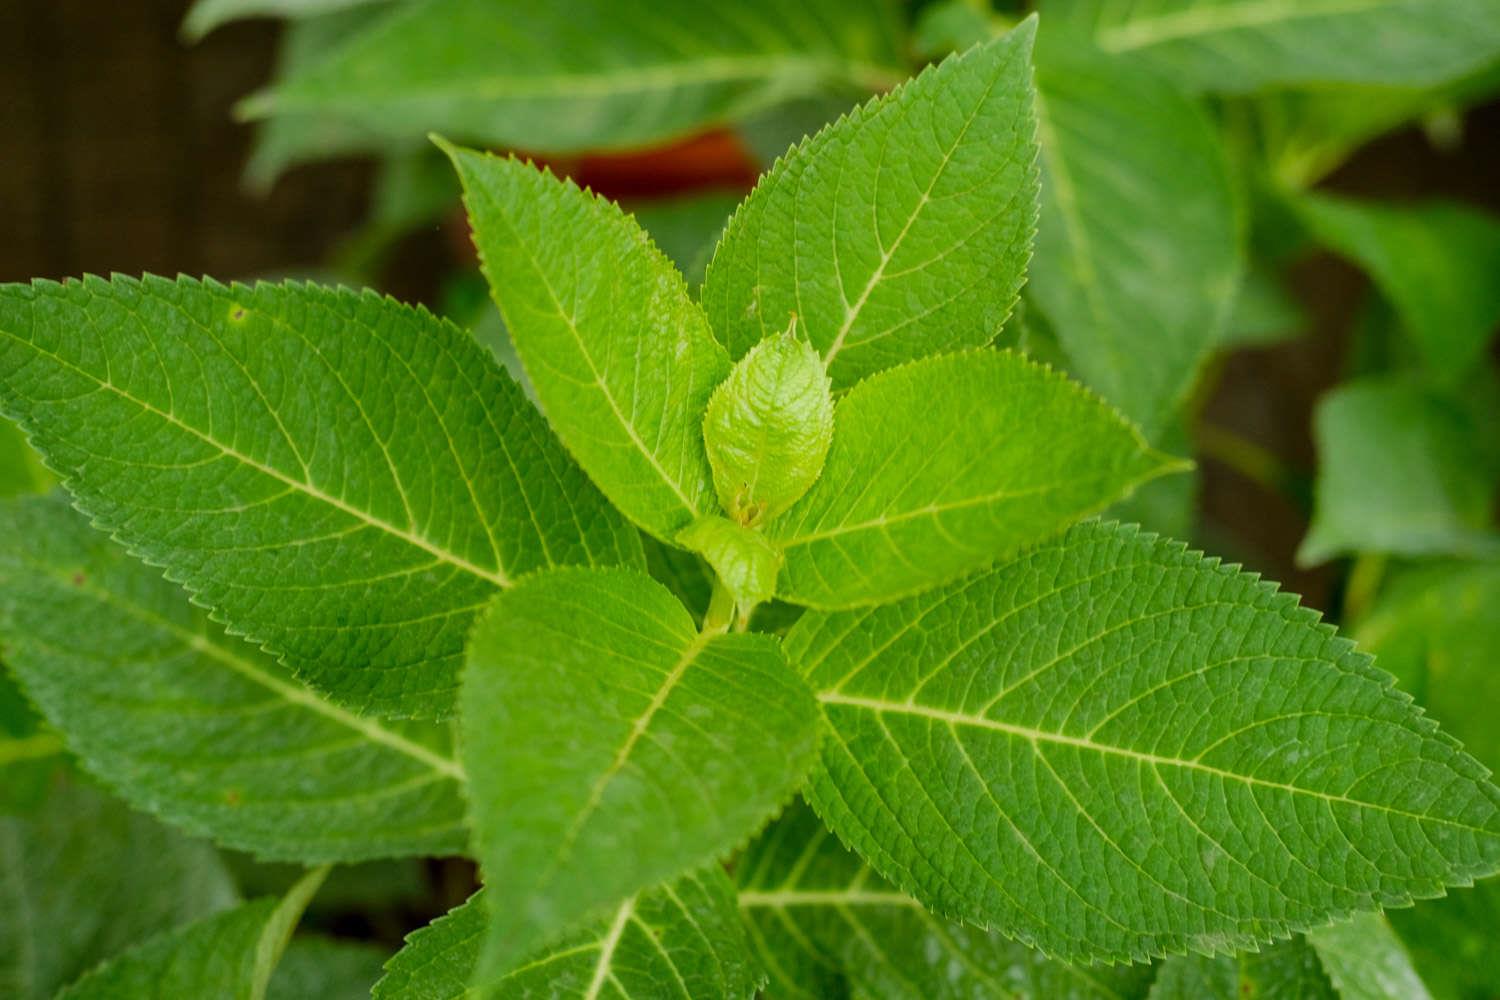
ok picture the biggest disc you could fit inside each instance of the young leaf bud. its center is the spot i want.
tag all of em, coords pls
(745, 561)
(768, 428)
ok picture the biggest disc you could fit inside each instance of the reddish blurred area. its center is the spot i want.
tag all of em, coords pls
(121, 155)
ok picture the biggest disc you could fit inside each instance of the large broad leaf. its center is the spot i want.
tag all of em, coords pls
(1138, 251)
(1401, 469)
(620, 356)
(681, 940)
(85, 878)
(200, 728)
(1436, 263)
(900, 231)
(589, 74)
(610, 746)
(1244, 45)
(942, 466)
(1112, 748)
(230, 955)
(343, 480)
(825, 925)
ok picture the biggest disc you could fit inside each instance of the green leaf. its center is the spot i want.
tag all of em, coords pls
(913, 496)
(824, 924)
(206, 15)
(21, 469)
(361, 556)
(588, 74)
(1436, 262)
(84, 879)
(230, 955)
(1138, 250)
(621, 358)
(610, 746)
(1365, 960)
(768, 427)
(202, 729)
(326, 969)
(1111, 748)
(1236, 46)
(1402, 469)
(678, 940)
(900, 231)
(741, 557)
(1286, 971)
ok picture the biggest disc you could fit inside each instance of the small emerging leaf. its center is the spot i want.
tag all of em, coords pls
(611, 746)
(768, 428)
(745, 562)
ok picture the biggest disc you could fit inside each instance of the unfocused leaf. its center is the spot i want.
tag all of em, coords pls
(200, 728)
(884, 256)
(681, 940)
(588, 74)
(1113, 748)
(610, 746)
(206, 15)
(1401, 469)
(913, 496)
(1365, 961)
(326, 969)
(85, 878)
(361, 555)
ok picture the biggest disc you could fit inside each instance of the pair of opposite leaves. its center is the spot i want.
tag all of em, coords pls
(364, 555)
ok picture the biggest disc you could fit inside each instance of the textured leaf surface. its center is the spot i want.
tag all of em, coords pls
(825, 925)
(611, 746)
(344, 480)
(944, 465)
(1365, 960)
(620, 356)
(1435, 262)
(230, 955)
(682, 940)
(900, 231)
(1111, 747)
(85, 878)
(1401, 469)
(589, 74)
(1243, 45)
(1137, 254)
(200, 728)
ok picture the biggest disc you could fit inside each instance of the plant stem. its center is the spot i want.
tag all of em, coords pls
(1360, 589)
(720, 613)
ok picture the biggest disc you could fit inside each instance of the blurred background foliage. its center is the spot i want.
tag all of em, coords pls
(1271, 243)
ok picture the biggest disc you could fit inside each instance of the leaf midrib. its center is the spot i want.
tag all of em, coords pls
(497, 577)
(1035, 736)
(1196, 21)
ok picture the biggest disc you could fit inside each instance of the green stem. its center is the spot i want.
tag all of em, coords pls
(1255, 462)
(720, 613)
(1363, 584)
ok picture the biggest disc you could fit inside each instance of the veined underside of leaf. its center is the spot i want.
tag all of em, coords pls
(1112, 748)
(900, 231)
(202, 729)
(341, 479)
(576, 75)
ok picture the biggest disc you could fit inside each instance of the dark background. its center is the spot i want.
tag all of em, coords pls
(120, 154)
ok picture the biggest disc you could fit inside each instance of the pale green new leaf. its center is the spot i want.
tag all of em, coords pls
(620, 356)
(589, 74)
(202, 729)
(1436, 262)
(900, 231)
(206, 15)
(1365, 960)
(680, 940)
(84, 878)
(1289, 970)
(1138, 250)
(610, 746)
(1244, 45)
(1111, 748)
(229, 956)
(341, 479)
(1401, 469)
(943, 465)
(825, 925)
